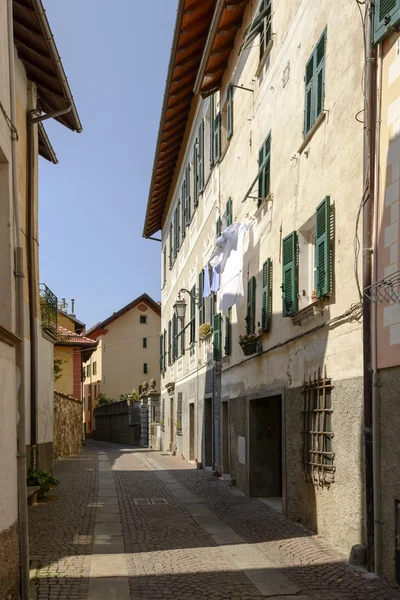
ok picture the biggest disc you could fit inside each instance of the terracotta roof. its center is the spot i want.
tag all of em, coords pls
(145, 298)
(191, 31)
(37, 50)
(226, 22)
(69, 338)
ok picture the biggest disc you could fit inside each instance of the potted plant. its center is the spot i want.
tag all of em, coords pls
(249, 343)
(179, 427)
(314, 295)
(162, 425)
(204, 330)
(43, 479)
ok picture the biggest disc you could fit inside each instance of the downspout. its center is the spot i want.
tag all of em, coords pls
(20, 329)
(368, 210)
(376, 425)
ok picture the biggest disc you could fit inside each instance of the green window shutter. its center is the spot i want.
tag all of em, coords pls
(175, 232)
(228, 333)
(217, 337)
(201, 299)
(213, 304)
(289, 274)
(174, 338)
(251, 306)
(258, 23)
(266, 295)
(165, 265)
(161, 353)
(386, 15)
(309, 100)
(218, 227)
(165, 350)
(201, 156)
(178, 222)
(169, 342)
(322, 248)
(261, 180)
(217, 137)
(183, 209)
(319, 80)
(182, 336)
(229, 212)
(193, 315)
(188, 199)
(229, 104)
(212, 130)
(195, 175)
(171, 244)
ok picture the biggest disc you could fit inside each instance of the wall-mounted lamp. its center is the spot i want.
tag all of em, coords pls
(180, 303)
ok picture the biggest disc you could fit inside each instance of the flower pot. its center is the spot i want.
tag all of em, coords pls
(250, 348)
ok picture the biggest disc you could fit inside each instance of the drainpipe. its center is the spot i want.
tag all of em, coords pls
(20, 329)
(376, 425)
(368, 209)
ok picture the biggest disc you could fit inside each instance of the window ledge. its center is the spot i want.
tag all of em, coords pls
(263, 204)
(313, 309)
(313, 129)
(264, 57)
(8, 337)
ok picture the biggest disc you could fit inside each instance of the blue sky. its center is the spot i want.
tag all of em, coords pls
(92, 204)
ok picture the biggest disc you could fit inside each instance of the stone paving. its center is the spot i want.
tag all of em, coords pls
(127, 524)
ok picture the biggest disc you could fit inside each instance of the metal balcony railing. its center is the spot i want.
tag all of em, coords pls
(48, 309)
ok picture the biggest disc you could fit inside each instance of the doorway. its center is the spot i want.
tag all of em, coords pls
(208, 432)
(191, 431)
(171, 424)
(265, 437)
(225, 439)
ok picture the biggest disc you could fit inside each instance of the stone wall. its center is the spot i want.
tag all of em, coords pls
(67, 425)
(9, 563)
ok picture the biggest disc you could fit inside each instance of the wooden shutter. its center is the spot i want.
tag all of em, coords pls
(183, 213)
(165, 265)
(161, 353)
(228, 333)
(309, 100)
(251, 305)
(322, 248)
(386, 16)
(266, 295)
(171, 244)
(217, 137)
(182, 336)
(174, 338)
(165, 350)
(261, 179)
(212, 130)
(201, 156)
(258, 23)
(319, 80)
(175, 232)
(188, 199)
(229, 212)
(195, 175)
(193, 315)
(178, 225)
(229, 111)
(217, 337)
(218, 227)
(289, 274)
(201, 299)
(169, 342)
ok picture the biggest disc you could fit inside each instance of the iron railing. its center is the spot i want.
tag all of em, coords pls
(48, 309)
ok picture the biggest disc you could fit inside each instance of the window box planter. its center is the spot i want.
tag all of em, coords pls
(250, 348)
(250, 344)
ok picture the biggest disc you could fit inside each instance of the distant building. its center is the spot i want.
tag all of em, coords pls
(126, 356)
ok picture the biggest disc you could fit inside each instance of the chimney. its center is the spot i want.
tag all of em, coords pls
(63, 304)
(72, 307)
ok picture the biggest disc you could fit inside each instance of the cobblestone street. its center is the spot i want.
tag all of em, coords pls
(130, 524)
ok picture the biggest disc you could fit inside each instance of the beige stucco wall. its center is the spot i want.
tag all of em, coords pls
(120, 355)
(331, 164)
(65, 384)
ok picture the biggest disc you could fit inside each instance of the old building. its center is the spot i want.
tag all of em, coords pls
(33, 87)
(259, 139)
(126, 356)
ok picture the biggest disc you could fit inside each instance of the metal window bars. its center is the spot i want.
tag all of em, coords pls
(317, 455)
(48, 309)
(385, 290)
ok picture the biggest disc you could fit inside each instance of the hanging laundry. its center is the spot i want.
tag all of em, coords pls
(215, 281)
(206, 287)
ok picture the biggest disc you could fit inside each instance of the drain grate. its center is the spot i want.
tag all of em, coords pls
(149, 501)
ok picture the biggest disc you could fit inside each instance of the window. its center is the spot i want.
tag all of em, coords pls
(195, 173)
(165, 265)
(266, 295)
(176, 231)
(229, 111)
(315, 85)
(165, 350)
(143, 319)
(90, 401)
(264, 167)
(170, 343)
(386, 17)
(218, 228)
(228, 333)
(251, 306)
(289, 274)
(202, 303)
(174, 338)
(317, 431)
(229, 212)
(179, 412)
(261, 26)
(162, 421)
(178, 217)
(94, 368)
(217, 336)
(161, 353)
(95, 391)
(144, 367)
(188, 206)
(171, 245)
(145, 342)
(192, 338)
(88, 371)
(211, 130)
(183, 212)
(217, 137)
(201, 157)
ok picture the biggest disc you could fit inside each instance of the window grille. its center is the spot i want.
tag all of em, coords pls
(317, 431)
(179, 411)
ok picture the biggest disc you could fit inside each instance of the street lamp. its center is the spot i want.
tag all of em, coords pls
(180, 303)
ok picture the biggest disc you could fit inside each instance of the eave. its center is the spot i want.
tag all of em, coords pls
(191, 29)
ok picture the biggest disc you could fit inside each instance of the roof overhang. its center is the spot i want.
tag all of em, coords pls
(45, 148)
(226, 22)
(191, 29)
(38, 52)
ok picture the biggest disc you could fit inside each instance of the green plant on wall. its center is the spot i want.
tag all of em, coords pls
(102, 400)
(58, 363)
(43, 479)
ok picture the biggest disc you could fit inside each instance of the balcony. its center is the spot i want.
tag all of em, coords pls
(48, 311)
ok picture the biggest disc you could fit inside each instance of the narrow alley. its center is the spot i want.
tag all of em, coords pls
(130, 524)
